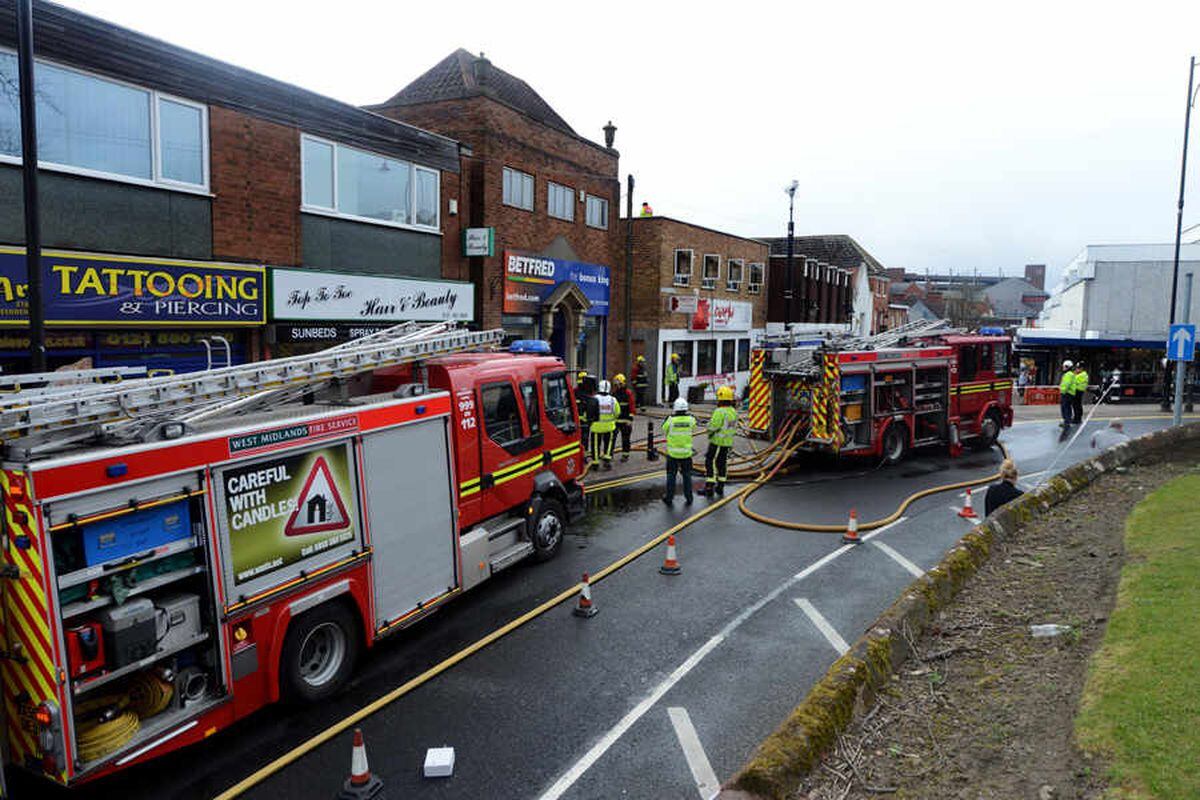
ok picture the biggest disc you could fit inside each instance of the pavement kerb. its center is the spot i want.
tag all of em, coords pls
(849, 686)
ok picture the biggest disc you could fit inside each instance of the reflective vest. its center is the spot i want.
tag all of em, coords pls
(679, 430)
(1066, 387)
(721, 426)
(639, 376)
(672, 374)
(607, 409)
(1081, 382)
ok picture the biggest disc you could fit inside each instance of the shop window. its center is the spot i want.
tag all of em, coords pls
(757, 272)
(684, 349)
(367, 186)
(743, 358)
(107, 129)
(728, 355)
(518, 189)
(683, 267)
(706, 357)
(597, 212)
(560, 201)
(733, 274)
(712, 272)
(532, 412)
(558, 401)
(501, 416)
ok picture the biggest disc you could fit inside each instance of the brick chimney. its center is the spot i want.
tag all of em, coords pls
(1036, 274)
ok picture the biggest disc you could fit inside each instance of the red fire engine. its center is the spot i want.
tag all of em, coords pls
(181, 551)
(921, 384)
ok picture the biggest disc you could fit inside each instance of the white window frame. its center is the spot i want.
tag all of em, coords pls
(679, 278)
(550, 187)
(730, 284)
(752, 286)
(387, 223)
(587, 199)
(532, 189)
(155, 181)
(705, 281)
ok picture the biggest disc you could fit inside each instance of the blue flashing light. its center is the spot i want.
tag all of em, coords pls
(533, 347)
(116, 470)
(991, 331)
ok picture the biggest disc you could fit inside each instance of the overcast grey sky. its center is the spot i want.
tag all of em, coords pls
(940, 135)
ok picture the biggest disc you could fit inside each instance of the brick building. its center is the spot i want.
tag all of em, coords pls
(543, 195)
(700, 293)
(172, 185)
(835, 281)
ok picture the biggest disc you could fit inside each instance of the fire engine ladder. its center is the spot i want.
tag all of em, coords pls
(920, 327)
(56, 419)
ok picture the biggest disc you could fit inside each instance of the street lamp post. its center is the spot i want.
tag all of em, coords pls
(789, 291)
(1187, 122)
(29, 171)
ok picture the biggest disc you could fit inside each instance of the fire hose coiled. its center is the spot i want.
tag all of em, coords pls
(105, 726)
(149, 694)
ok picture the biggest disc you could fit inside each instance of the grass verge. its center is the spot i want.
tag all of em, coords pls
(1141, 702)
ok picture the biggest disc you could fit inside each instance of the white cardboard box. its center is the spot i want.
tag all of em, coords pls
(439, 762)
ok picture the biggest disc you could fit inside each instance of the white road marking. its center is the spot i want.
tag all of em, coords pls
(831, 635)
(899, 559)
(569, 778)
(706, 780)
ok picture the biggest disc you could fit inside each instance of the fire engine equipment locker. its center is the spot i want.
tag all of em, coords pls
(130, 534)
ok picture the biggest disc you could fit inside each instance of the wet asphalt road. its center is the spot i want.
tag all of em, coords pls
(573, 708)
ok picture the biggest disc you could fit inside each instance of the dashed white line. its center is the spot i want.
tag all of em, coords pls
(706, 780)
(569, 778)
(899, 559)
(827, 630)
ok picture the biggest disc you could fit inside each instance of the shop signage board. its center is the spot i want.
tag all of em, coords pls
(479, 242)
(682, 303)
(529, 279)
(309, 295)
(722, 315)
(95, 289)
(330, 332)
(287, 508)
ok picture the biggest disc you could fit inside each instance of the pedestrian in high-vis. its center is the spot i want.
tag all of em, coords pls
(604, 426)
(625, 417)
(1004, 490)
(1066, 393)
(721, 427)
(641, 381)
(672, 379)
(1081, 387)
(678, 429)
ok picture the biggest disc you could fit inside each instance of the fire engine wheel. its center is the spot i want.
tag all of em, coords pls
(895, 443)
(547, 528)
(989, 432)
(319, 653)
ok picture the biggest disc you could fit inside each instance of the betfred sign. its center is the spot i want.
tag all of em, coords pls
(529, 279)
(721, 315)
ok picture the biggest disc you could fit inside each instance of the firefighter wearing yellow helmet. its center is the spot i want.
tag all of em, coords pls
(641, 381)
(721, 426)
(625, 419)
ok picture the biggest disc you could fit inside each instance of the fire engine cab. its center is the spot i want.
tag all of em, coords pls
(921, 384)
(180, 551)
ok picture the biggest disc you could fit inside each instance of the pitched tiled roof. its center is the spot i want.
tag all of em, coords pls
(455, 78)
(837, 249)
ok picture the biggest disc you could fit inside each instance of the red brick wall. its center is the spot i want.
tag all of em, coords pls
(498, 137)
(255, 169)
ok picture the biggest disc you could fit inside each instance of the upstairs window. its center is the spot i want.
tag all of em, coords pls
(683, 267)
(518, 189)
(107, 129)
(712, 272)
(366, 186)
(756, 279)
(597, 212)
(733, 275)
(560, 201)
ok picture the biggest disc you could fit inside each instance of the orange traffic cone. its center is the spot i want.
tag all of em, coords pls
(851, 534)
(361, 785)
(585, 607)
(670, 563)
(968, 511)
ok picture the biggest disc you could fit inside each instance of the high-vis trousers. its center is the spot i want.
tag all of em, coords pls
(718, 456)
(602, 445)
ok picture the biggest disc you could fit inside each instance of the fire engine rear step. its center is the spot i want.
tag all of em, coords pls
(511, 555)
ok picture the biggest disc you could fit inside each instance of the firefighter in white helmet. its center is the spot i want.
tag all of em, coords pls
(679, 428)
(1066, 394)
(605, 425)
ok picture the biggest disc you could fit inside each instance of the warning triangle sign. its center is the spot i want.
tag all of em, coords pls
(319, 507)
